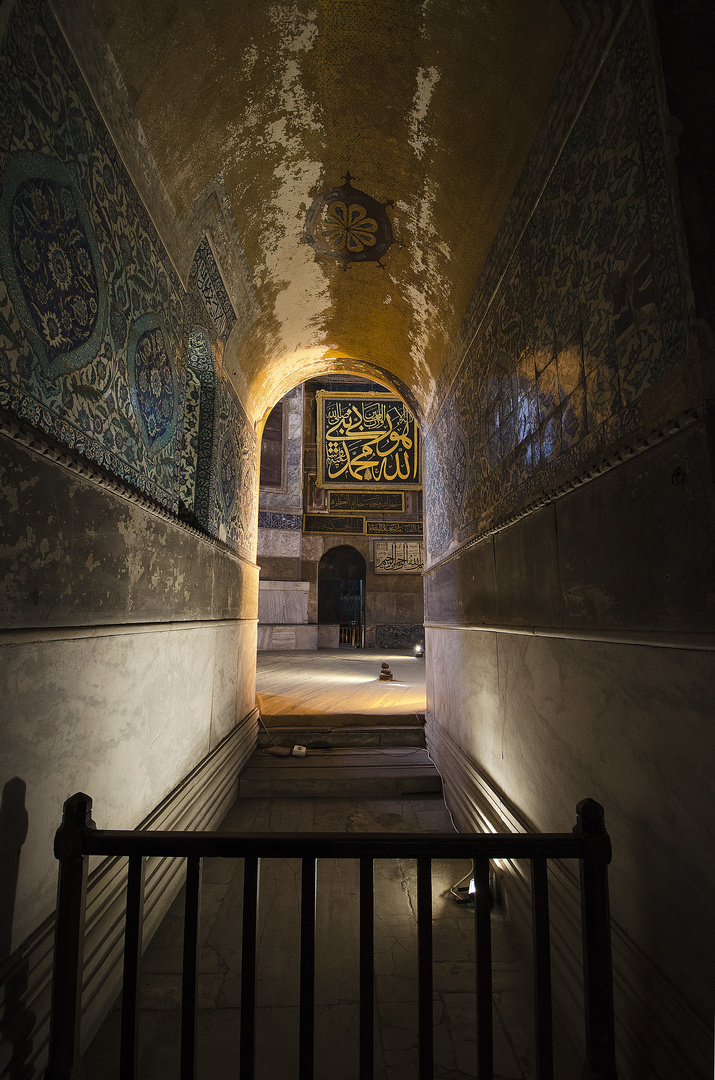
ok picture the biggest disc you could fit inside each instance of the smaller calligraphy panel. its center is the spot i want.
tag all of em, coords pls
(327, 523)
(398, 556)
(394, 528)
(367, 441)
(385, 502)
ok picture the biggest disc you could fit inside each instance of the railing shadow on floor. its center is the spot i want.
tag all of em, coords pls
(78, 838)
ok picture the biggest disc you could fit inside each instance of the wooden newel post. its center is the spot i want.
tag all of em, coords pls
(66, 1009)
(596, 930)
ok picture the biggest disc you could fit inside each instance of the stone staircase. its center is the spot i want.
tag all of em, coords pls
(341, 762)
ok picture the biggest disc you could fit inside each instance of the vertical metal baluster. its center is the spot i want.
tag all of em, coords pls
(424, 968)
(596, 931)
(248, 968)
(307, 969)
(66, 1006)
(542, 969)
(367, 969)
(189, 986)
(129, 1043)
(483, 949)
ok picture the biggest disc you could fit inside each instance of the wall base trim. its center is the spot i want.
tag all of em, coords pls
(200, 801)
(651, 1015)
(28, 635)
(658, 639)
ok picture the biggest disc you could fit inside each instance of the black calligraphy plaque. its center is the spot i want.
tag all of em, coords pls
(394, 528)
(367, 441)
(385, 502)
(332, 523)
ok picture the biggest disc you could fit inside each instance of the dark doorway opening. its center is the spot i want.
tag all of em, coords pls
(341, 594)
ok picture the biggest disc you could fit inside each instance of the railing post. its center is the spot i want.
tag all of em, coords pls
(306, 1044)
(190, 968)
(425, 1004)
(367, 968)
(66, 1008)
(596, 930)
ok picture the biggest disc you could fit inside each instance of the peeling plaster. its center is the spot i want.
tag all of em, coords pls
(427, 79)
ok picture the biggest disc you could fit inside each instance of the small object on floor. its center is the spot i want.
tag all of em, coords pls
(277, 751)
(386, 674)
(298, 751)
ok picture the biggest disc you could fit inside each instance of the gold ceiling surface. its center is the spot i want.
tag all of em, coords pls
(433, 105)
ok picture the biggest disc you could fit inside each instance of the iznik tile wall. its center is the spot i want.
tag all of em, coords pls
(90, 306)
(95, 328)
(233, 473)
(590, 314)
(206, 277)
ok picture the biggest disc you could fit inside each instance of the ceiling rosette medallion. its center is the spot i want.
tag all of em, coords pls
(348, 225)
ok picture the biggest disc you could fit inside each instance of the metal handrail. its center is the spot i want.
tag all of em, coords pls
(78, 838)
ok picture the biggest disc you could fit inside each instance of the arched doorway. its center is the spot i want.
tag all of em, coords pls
(341, 595)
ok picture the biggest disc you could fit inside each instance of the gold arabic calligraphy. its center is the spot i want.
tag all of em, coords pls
(370, 442)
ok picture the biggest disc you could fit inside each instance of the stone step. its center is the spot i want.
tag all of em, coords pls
(324, 738)
(358, 772)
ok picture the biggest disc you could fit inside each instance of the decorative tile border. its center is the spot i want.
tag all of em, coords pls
(268, 519)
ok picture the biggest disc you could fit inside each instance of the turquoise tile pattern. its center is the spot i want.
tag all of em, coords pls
(590, 313)
(100, 345)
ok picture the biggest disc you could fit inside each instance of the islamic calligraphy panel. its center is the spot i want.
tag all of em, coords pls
(384, 502)
(391, 557)
(394, 528)
(324, 523)
(366, 441)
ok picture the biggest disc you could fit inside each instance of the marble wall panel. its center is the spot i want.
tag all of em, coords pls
(75, 553)
(549, 721)
(398, 636)
(282, 602)
(632, 549)
(290, 494)
(292, 636)
(123, 714)
(278, 542)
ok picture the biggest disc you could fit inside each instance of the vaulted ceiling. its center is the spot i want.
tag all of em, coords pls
(431, 104)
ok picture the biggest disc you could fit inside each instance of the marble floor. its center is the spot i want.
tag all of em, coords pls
(340, 687)
(336, 1016)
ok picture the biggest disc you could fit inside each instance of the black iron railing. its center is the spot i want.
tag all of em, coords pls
(78, 838)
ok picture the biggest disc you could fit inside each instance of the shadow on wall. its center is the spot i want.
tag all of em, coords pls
(16, 1022)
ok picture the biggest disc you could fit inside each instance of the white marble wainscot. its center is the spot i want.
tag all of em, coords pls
(523, 726)
(283, 616)
(329, 635)
(279, 542)
(283, 601)
(121, 712)
(154, 722)
(290, 636)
